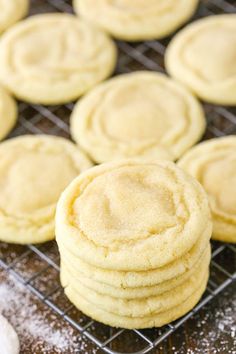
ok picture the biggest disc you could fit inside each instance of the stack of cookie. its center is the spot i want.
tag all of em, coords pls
(134, 242)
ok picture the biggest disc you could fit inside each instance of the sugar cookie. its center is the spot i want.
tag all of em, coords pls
(8, 113)
(140, 223)
(202, 56)
(142, 114)
(137, 19)
(9, 342)
(11, 12)
(54, 58)
(34, 170)
(132, 215)
(213, 163)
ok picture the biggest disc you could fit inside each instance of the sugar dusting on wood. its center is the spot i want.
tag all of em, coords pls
(38, 330)
(43, 331)
(212, 330)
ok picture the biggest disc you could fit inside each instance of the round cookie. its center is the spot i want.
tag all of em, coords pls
(135, 322)
(69, 275)
(54, 58)
(132, 215)
(213, 163)
(140, 279)
(137, 19)
(34, 170)
(9, 342)
(206, 65)
(128, 116)
(8, 113)
(11, 12)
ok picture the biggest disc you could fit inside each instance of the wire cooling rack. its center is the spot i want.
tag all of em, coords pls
(37, 267)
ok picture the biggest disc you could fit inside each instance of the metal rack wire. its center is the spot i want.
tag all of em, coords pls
(30, 264)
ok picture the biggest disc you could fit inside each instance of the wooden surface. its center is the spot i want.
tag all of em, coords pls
(211, 330)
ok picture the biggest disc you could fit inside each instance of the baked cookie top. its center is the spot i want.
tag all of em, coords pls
(8, 113)
(213, 163)
(132, 215)
(11, 12)
(142, 114)
(202, 56)
(54, 58)
(34, 170)
(137, 19)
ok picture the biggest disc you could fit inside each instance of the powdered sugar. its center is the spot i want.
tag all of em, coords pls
(213, 329)
(37, 326)
(225, 326)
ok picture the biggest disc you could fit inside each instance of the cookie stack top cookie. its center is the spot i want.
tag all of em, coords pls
(132, 215)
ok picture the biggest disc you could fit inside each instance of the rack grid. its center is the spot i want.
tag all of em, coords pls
(29, 264)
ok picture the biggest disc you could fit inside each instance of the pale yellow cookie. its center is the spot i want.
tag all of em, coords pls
(202, 56)
(135, 322)
(142, 114)
(8, 113)
(213, 163)
(101, 293)
(54, 58)
(132, 215)
(34, 170)
(140, 279)
(9, 341)
(137, 19)
(12, 11)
